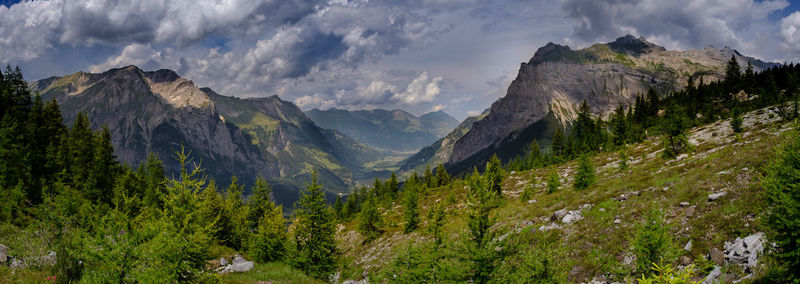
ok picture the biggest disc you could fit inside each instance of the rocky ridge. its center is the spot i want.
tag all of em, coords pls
(549, 88)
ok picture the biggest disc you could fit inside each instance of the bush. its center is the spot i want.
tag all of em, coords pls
(651, 242)
(782, 192)
(736, 121)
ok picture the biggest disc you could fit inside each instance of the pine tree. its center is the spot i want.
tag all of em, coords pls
(623, 160)
(436, 219)
(392, 187)
(154, 180)
(557, 148)
(410, 208)
(736, 121)
(369, 220)
(619, 127)
(268, 242)
(315, 232)
(260, 201)
(338, 207)
(553, 182)
(442, 177)
(235, 223)
(674, 127)
(585, 176)
(732, 71)
(480, 197)
(104, 168)
(494, 175)
(782, 194)
(534, 155)
(430, 181)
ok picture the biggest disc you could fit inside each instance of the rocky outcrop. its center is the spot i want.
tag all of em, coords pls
(549, 88)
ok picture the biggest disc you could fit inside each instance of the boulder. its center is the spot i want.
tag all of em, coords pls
(685, 204)
(746, 251)
(240, 264)
(688, 246)
(572, 216)
(558, 215)
(686, 261)
(715, 196)
(690, 212)
(617, 221)
(3, 253)
(717, 256)
(223, 261)
(712, 276)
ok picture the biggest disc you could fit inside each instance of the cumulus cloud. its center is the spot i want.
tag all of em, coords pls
(141, 55)
(790, 31)
(29, 28)
(377, 92)
(677, 24)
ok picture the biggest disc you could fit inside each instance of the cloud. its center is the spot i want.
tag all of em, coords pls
(141, 55)
(437, 108)
(375, 91)
(29, 28)
(790, 31)
(677, 24)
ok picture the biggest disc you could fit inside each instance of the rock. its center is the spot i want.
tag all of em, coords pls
(223, 261)
(717, 256)
(715, 196)
(728, 277)
(621, 197)
(746, 251)
(549, 227)
(572, 216)
(688, 246)
(684, 204)
(17, 263)
(712, 276)
(49, 259)
(532, 201)
(686, 261)
(681, 157)
(240, 264)
(690, 212)
(3, 253)
(558, 215)
(617, 221)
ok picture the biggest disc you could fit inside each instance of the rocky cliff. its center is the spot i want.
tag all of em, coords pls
(550, 86)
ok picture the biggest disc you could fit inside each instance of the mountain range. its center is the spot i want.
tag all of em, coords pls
(388, 130)
(161, 112)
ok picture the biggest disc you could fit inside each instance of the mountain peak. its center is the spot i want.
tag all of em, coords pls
(633, 46)
(549, 52)
(162, 76)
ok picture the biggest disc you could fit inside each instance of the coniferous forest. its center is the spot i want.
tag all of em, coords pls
(70, 210)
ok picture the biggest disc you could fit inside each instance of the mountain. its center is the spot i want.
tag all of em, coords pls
(161, 112)
(388, 130)
(439, 152)
(548, 89)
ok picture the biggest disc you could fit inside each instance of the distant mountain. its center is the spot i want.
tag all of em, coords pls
(549, 88)
(439, 152)
(160, 112)
(388, 130)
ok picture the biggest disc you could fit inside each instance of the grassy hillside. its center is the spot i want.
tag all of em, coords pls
(599, 246)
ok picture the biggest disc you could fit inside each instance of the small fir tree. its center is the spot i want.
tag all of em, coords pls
(315, 232)
(410, 209)
(585, 176)
(369, 220)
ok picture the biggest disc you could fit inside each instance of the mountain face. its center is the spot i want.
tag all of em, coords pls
(548, 89)
(160, 112)
(388, 130)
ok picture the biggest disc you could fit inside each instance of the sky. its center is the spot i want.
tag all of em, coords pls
(457, 56)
